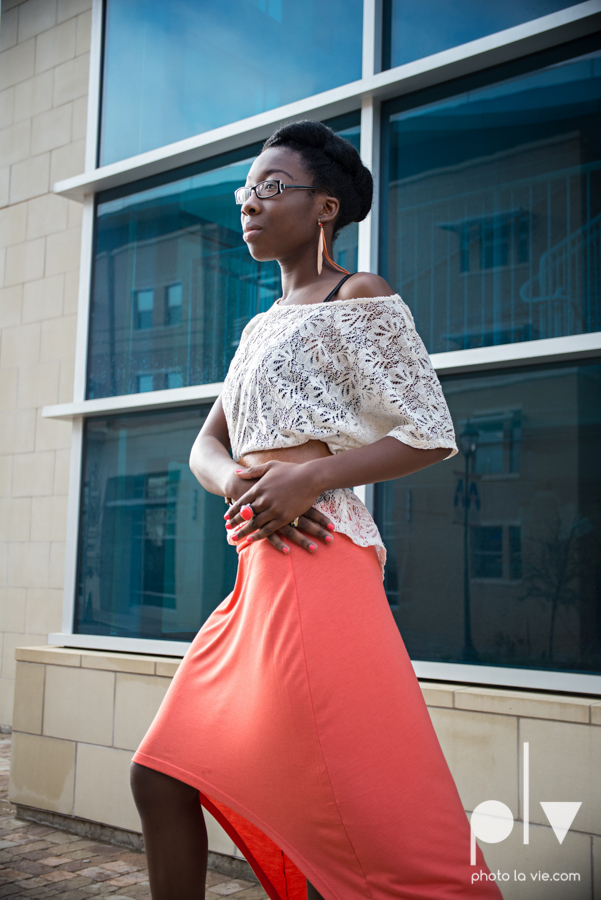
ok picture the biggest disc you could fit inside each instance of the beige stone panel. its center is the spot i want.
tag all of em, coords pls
(56, 574)
(46, 215)
(58, 338)
(438, 694)
(2, 260)
(66, 380)
(68, 8)
(50, 656)
(42, 772)
(9, 646)
(118, 662)
(30, 178)
(51, 129)
(15, 519)
(565, 765)
(33, 96)
(80, 119)
(219, 841)
(6, 474)
(167, 667)
(4, 190)
(7, 107)
(12, 609)
(68, 161)
(78, 704)
(71, 79)
(481, 751)
(597, 868)
(71, 297)
(15, 143)
(8, 28)
(28, 564)
(17, 431)
(17, 64)
(29, 697)
(542, 854)
(3, 563)
(52, 433)
(38, 385)
(137, 699)
(84, 31)
(48, 518)
(596, 714)
(7, 691)
(13, 225)
(8, 388)
(11, 305)
(36, 16)
(102, 791)
(63, 251)
(61, 473)
(525, 703)
(55, 46)
(43, 299)
(33, 474)
(44, 609)
(24, 262)
(20, 345)
(75, 213)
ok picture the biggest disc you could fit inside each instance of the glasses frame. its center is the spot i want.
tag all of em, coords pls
(281, 187)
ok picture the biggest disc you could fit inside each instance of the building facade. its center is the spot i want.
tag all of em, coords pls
(126, 127)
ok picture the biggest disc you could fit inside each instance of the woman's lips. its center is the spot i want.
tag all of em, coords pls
(251, 233)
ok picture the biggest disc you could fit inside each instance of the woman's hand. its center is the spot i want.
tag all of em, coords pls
(278, 492)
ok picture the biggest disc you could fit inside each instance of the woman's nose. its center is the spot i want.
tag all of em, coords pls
(250, 206)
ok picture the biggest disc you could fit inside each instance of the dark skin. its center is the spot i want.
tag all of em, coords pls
(284, 228)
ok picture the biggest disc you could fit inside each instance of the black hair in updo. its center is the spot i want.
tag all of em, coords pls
(334, 164)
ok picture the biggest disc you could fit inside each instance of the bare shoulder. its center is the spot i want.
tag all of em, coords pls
(364, 284)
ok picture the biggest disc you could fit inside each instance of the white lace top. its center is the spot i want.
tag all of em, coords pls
(346, 372)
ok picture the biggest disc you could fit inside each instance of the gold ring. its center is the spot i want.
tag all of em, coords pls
(295, 523)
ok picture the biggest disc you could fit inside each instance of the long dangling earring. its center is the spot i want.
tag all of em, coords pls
(322, 248)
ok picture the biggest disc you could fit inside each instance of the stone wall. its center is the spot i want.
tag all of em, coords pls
(44, 65)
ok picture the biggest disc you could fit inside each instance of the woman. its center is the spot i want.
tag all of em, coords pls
(295, 717)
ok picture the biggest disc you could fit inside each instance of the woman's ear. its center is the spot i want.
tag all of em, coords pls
(329, 210)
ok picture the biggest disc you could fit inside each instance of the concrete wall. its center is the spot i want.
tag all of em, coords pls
(44, 64)
(80, 714)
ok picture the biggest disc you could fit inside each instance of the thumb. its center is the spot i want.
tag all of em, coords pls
(252, 471)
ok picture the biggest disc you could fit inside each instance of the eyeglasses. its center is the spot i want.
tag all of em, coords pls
(266, 189)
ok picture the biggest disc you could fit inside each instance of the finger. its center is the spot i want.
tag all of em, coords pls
(278, 543)
(309, 527)
(251, 472)
(247, 528)
(233, 512)
(319, 517)
(297, 537)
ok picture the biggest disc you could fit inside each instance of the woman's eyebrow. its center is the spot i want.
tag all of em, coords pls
(271, 171)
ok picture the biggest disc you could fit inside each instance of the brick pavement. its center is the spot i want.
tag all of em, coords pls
(39, 862)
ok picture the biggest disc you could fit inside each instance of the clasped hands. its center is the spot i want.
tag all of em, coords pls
(278, 492)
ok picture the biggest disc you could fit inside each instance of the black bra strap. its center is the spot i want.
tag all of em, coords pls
(333, 293)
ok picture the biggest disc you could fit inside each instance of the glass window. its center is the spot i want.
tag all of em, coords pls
(173, 70)
(491, 203)
(174, 283)
(153, 558)
(502, 567)
(413, 30)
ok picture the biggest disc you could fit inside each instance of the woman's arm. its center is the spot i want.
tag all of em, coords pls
(284, 490)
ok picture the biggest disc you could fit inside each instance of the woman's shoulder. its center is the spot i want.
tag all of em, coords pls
(364, 285)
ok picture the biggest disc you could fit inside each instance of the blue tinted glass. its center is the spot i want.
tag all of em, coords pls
(413, 30)
(175, 69)
(492, 207)
(501, 567)
(174, 283)
(154, 561)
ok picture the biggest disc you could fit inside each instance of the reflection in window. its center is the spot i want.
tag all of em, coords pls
(491, 208)
(413, 30)
(533, 539)
(173, 70)
(154, 561)
(181, 232)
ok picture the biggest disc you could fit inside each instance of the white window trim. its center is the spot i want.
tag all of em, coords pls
(366, 94)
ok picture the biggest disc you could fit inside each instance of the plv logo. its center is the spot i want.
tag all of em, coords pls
(492, 821)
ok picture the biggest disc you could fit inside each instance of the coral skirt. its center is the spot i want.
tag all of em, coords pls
(298, 717)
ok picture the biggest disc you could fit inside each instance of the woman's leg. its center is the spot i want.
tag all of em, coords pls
(175, 834)
(312, 894)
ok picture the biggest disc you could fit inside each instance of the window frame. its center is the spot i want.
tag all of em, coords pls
(366, 94)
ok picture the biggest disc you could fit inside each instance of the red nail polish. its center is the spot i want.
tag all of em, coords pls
(285, 549)
(330, 526)
(229, 525)
(312, 548)
(235, 537)
(238, 471)
(227, 515)
(329, 539)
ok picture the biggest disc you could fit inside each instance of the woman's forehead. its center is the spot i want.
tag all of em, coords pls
(277, 162)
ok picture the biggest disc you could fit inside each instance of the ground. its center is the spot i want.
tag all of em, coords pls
(37, 862)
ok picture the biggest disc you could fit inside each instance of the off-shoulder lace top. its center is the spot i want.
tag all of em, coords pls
(347, 373)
